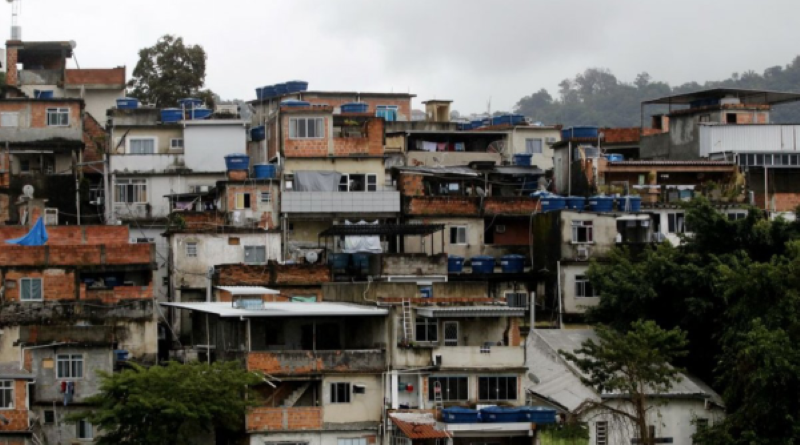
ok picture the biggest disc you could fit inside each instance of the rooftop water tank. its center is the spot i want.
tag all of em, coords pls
(339, 262)
(258, 133)
(237, 162)
(296, 86)
(537, 414)
(264, 171)
(601, 203)
(482, 264)
(361, 263)
(280, 89)
(512, 263)
(523, 159)
(43, 94)
(615, 157)
(171, 115)
(200, 113)
(457, 414)
(455, 264)
(579, 132)
(629, 203)
(575, 202)
(127, 103)
(295, 103)
(476, 124)
(552, 202)
(500, 414)
(355, 107)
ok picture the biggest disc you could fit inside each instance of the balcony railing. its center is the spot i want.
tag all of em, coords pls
(486, 356)
(341, 202)
(149, 163)
(284, 419)
(311, 362)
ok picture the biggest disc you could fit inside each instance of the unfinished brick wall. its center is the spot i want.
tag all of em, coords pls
(117, 294)
(12, 76)
(34, 114)
(94, 140)
(371, 144)
(57, 284)
(202, 221)
(264, 210)
(501, 205)
(73, 235)
(442, 205)
(303, 148)
(277, 419)
(410, 185)
(272, 274)
(512, 333)
(17, 416)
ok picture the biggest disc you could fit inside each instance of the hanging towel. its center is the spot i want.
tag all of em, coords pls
(441, 146)
(429, 146)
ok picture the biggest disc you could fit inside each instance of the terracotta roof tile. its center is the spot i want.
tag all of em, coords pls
(102, 76)
(419, 431)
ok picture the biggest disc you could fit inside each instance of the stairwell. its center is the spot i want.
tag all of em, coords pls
(289, 402)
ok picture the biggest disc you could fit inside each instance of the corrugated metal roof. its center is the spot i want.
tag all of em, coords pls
(13, 370)
(283, 309)
(470, 311)
(756, 97)
(248, 290)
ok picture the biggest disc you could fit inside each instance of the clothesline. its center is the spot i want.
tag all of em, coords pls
(440, 146)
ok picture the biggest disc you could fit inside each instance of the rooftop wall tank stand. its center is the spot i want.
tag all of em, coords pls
(264, 171)
(237, 162)
(171, 115)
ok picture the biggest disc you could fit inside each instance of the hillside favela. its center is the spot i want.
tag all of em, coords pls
(361, 223)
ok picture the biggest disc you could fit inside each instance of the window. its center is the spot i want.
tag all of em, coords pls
(6, 394)
(234, 241)
(736, 216)
(517, 299)
(306, 128)
(705, 118)
(352, 441)
(387, 112)
(24, 165)
(9, 119)
(141, 146)
(288, 182)
(601, 433)
(583, 288)
(493, 388)
(69, 366)
(450, 329)
(266, 197)
(340, 392)
(582, 232)
(372, 183)
(458, 235)
(131, 191)
(176, 144)
(191, 250)
(242, 201)
(533, 146)
(57, 117)
(358, 182)
(255, 254)
(453, 388)
(49, 416)
(730, 118)
(84, 430)
(427, 330)
(676, 223)
(30, 289)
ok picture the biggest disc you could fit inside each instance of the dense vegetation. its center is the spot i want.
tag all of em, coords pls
(734, 288)
(597, 97)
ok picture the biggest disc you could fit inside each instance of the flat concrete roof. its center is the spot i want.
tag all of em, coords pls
(283, 309)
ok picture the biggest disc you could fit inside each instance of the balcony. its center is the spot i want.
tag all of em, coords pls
(40, 77)
(117, 294)
(149, 163)
(341, 202)
(451, 158)
(284, 419)
(488, 356)
(312, 362)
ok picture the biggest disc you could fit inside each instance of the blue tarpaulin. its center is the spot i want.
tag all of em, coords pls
(36, 237)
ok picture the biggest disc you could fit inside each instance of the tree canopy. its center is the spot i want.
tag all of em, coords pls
(635, 363)
(170, 404)
(734, 287)
(168, 71)
(598, 97)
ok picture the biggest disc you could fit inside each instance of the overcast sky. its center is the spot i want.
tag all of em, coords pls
(463, 50)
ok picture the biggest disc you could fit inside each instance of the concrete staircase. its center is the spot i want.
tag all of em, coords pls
(295, 395)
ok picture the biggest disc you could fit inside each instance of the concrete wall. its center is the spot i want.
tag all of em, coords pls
(157, 187)
(162, 136)
(48, 386)
(681, 142)
(449, 158)
(207, 142)
(604, 228)
(98, 101)
(32, 121)
(561, 169)
(474, 245)
(312, 438)
(573, 304)
(517, 138)
(61, 431)
(362, 407)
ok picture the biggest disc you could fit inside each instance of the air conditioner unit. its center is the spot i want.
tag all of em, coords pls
(199, 188)
(437, 360)
(582, 253)
(550, 140)
(500, 228)
(51, 217)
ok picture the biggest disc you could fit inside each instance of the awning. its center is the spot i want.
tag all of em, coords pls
(248, 290)
(747, 97)
(283, 309)
(381, 229)
(470, 311)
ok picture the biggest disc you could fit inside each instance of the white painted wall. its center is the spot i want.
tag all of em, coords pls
(573, 304)
(157, 187)
(207, 142)
(309, 438)
(517, 138)
(748, 138)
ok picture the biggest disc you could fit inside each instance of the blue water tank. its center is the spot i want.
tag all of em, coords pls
(482, 264)
(280, 89)
(120, 355)
(630, 203)
(169, 115)
(575, 202)
(426, 291)
(537, 414)
(260, 93)
(264, 171)
(615, 157)
(601, 203)
(512, 263)
(237, 162)
(258, 133)
(200, 113)
(127, 103)
(457, 414)
(486, 122)
(476, 124)
(339, 262)
(43, 94)
(190, 102)
(522, 159)
(361, 263)
(552, 202)
(455, 264)
(295, 103)
(296, 86)
(268, 92)
(579, 132)
(500, 414)
(355, 107)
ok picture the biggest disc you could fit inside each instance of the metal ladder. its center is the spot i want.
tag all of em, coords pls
(406, 319)
(438, 403)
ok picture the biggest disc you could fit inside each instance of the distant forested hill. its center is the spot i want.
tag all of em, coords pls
(597, 97)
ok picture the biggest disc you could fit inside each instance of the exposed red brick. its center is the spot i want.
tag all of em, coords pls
(99, 76)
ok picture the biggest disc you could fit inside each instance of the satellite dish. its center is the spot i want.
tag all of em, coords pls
(27, 191)
(311, 257)
(73, 44)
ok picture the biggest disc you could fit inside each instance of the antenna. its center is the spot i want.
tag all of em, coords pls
(16, 11)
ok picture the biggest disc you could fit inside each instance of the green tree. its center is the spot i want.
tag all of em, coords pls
(168, 71)
(635, 363)
(170, 404)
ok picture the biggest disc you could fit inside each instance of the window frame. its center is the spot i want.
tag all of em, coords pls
(71, 361)
(351, 441)
(496, 379)
(172, 145)
(257, 249)
(588, 228)
(582, 284)
(191, 249)
(9, 115)
(136, 187)
(516, 293)
(529, 146)
(30, 280)
(61, 117)
(151, 139)
(447, 387)
(6, 394)
(335, 392)
(81, 430)
(672, 222)
(459, 230)
(387, 112)
(265, 197)
(295, 128)
(429, 325)
(247, 201)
